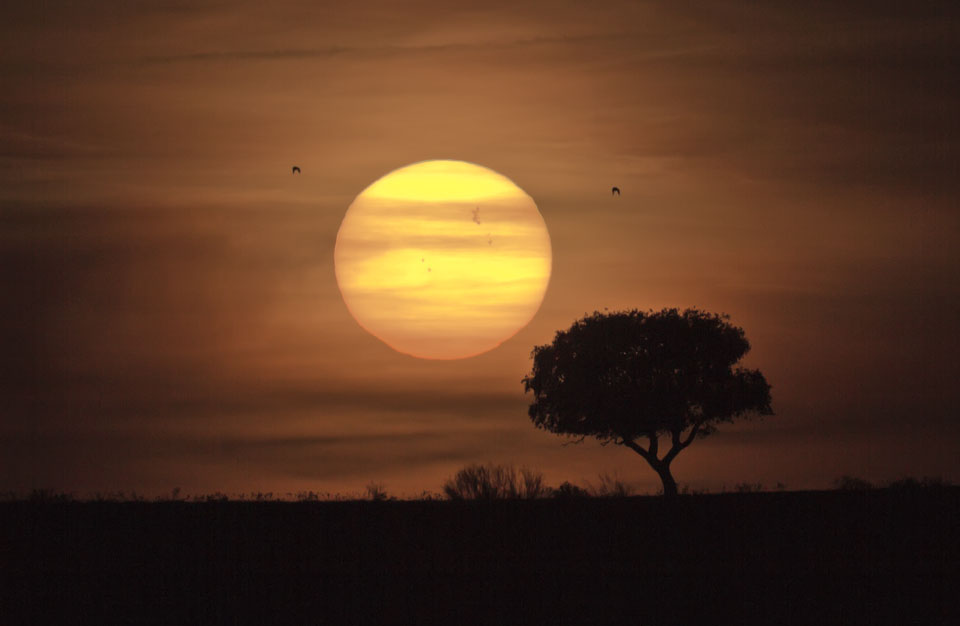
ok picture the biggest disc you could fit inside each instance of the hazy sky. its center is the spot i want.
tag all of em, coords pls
(169, 313)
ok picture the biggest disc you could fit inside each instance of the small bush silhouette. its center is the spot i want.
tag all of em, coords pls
(376, 492)
(748, 487)
(909, 483)
(49, 495)
(569, 490)
(852, 483)
(495, 482)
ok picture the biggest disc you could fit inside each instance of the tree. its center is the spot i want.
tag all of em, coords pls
(631, 377)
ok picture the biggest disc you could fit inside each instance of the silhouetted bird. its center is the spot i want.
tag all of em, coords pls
(615, 191)
(476, 215)
(296, 170)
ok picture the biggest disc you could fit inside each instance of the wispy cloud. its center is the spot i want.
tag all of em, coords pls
(324, 52)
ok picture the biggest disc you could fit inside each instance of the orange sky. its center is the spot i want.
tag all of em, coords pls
(169, 311)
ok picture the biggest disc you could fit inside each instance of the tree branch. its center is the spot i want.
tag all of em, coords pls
(636, 448)
(679, 444)
(693, 433)
(654, 443)
(675, 437)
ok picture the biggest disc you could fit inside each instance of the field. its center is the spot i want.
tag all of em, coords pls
(878, 556)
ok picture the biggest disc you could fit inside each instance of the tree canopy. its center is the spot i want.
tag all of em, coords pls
(632, 375)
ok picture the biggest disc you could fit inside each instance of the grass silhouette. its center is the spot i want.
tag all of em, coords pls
(567, 557)
(476, 482)
(751, 556)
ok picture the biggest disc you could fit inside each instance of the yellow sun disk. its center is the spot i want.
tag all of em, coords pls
(443, 259)
(399, 269)
(443, 181)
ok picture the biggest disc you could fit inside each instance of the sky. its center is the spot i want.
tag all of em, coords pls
(169, 311)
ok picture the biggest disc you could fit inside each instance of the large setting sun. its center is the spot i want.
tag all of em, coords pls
(443, 259)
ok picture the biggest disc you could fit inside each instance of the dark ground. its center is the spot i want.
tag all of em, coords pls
(890, 557)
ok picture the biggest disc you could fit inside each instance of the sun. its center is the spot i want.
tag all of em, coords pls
(443, 259)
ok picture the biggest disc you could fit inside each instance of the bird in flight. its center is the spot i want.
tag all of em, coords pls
(296, 170)
(615, 191)
(476, 215)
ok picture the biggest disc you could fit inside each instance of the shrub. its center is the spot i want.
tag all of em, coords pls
(495, 482)
(927, 482)
(852, 483)
(377, 492)
(49, 495)
(569, 490)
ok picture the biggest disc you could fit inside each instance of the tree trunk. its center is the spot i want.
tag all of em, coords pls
(669, 484)
(661, 466)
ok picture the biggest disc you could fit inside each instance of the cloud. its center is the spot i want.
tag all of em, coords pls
(488, 45)
(16, 144)
(248, 55)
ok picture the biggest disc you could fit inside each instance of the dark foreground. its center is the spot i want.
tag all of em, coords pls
(809, 558)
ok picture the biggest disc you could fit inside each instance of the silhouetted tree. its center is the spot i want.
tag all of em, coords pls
(631, 376)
